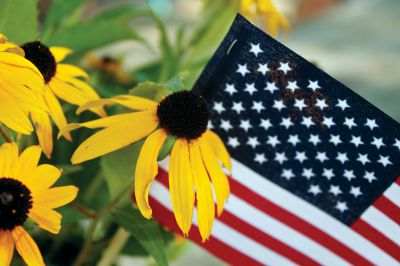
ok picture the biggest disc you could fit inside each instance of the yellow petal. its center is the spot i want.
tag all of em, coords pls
(218, 178)
(99, 123)
(44, 131)
(28, 162)
(41, 178)
(75, 91)
(147, 169)
(54, 197)
(129, 101)
(71, 70)
(116, 136)
(204, 196)
(6, 248)
(56, 111)
(12, 116)
(12, 48)
(47, 219)
(9, 165)
(181, 185)
(27, 247)
(60, 53)
(220, 150)
(19, 62)
(3, 38)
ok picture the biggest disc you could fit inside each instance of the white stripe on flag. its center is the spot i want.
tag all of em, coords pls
(382, 223)
(281, 231)
(393, 194)
(226, 234)
(309, 213)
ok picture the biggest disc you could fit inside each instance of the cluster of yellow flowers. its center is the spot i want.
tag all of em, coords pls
(32, 78)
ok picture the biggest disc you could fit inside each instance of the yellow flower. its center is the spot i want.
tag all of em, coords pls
(62, 81)
(274, 20)
(194, 158)
(21, 88)
(25, 191)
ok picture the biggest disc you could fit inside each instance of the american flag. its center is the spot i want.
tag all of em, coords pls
(315, 166)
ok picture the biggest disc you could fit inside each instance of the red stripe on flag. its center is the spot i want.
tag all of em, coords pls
(390, 209)
(377, 238)
(297, 223)
(255, 234)
(213, 245)
(398, 180)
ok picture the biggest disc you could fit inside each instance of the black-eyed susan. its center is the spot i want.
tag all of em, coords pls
(195, 156)
(21, 88)
(267, 11)
(62, 81)
(26, 192)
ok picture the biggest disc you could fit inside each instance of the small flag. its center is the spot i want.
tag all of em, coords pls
(315, 176)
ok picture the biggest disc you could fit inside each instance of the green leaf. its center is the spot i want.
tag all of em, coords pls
(119, 167)
(19, 20)
(60, 11)
(150, 90)
(176, 83)
(166, 148)
(147, 232)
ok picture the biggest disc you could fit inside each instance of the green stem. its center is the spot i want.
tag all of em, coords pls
(5, 134)
(85, 211)
(114, 247)
(87, 246)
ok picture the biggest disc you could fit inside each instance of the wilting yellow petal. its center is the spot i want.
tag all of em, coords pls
(41, 178)
(218, 178)
(60, 53)
(6, 248)
(44, 131)
(129, 101)
(9, 165)
(75, 91)
(12, 116)
(181, 185)
(28, 162)
(54, 197)
(11, 48)
(3, 38)
(56, 111)
(147, 169)
(71, 70)
(27, 247)
(204, 196)
(117, 136)
(47, 219)
(219, 148)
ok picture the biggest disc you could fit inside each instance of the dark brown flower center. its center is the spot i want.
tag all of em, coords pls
(184, 114)
(40, 55)
(15, 203)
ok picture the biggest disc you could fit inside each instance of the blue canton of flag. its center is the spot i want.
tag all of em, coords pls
(315, 167)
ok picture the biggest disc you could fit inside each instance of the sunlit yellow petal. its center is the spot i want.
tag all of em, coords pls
(117, 136)
(54, 197)
(181, 185)
(60, 53)
(12, 116)
(44, 131)
(71, 70)
(41, 178)
(28, 161)
(147, 169)
(19, 62)
(12, 48)
(204, 196)
(75, 91)
(9, 165)
(218, 178)
(6, 248)
(219, 148)
(27, 247)
(129, 101)
(56, 111)
(47, 219)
